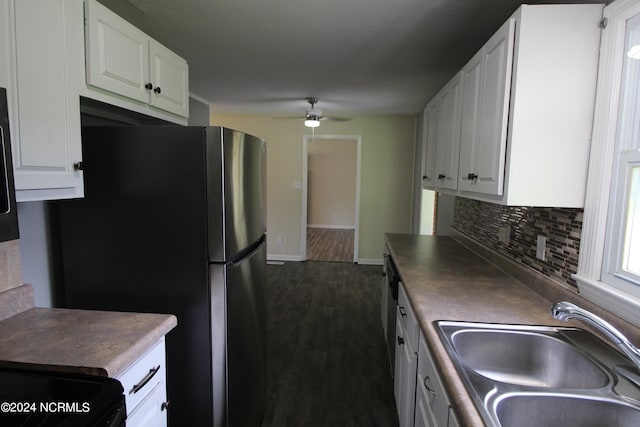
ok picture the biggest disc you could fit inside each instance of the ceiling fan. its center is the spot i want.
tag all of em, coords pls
(313, 116)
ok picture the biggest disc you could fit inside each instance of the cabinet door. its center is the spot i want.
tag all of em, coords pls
(453, 420)
(429, 134)
(485, 110)
(448, 134)
(404, 383)
(424, 414)
(430, 388)
(408, 393)
(150, 412)
(469, 137)
(170, 79)
(400, 337)
(46, 129)
(117, 54)
(497, 58)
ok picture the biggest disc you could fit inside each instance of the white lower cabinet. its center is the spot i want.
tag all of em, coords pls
(420, 397)
(145, 390)
(406, 360)
(432, 406)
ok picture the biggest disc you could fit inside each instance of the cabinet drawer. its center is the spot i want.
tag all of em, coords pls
(143, 375)
(409, 318)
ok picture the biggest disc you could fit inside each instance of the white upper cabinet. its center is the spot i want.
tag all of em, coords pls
(124, 61)
(448, 108)
(485, 112)
(527, 103)
(45, 116)
(117, 54)
(169, 76)
(429, 133)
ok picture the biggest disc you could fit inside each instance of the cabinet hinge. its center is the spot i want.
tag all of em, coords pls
(603, 23)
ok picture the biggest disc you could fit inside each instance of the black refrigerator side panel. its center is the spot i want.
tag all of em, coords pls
(246, 339)
(138, 242)
(236, 176)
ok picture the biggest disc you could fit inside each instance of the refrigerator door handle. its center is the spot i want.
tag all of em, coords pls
(243, 257)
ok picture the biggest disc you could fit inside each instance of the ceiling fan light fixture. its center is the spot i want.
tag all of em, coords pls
(312, 122)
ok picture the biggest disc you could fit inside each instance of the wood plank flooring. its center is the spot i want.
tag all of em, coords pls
(327, 361)
(330, 244)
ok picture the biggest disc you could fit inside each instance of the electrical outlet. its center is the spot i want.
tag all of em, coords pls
(279, 240)
(541, 247)
(504, 234)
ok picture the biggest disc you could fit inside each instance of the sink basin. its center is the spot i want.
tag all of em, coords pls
(564, 411)
(526, 358)
(519, 375)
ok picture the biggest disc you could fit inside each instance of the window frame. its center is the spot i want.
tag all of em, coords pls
(593, 278)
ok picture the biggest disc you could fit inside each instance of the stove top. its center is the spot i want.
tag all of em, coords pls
(30, 398)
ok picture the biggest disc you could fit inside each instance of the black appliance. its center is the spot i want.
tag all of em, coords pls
(173, 222)
(393, 281)
(8, 213)
(37, 398)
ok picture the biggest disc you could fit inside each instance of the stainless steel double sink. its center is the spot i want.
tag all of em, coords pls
(542, 376)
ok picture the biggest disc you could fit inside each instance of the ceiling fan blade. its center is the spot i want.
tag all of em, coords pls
(334, 119)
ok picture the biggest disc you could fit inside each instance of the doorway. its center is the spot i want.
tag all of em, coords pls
(331, 197)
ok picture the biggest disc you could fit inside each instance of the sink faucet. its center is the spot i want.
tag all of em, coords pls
(564, 310)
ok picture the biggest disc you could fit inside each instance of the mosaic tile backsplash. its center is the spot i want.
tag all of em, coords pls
(562, 228)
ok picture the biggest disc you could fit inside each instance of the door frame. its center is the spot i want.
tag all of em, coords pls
(305, 176)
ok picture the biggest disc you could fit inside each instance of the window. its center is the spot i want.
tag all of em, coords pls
(609, 266)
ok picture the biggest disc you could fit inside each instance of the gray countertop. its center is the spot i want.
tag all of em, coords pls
(84, 341)
(446, 281)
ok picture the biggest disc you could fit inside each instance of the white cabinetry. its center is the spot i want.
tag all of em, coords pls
(429, 134)
(448, 108)
(406, 360)
(485, 112)
(432, 407)
(45, 116)
(527, 108)
(144, 384)
(125, 61)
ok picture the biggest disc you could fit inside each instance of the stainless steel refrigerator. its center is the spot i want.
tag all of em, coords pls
(173, 221)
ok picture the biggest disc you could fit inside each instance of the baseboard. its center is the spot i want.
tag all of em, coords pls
(276, 257)
(370, 261)
(340, 227)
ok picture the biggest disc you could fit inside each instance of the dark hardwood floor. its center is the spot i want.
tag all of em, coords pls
(327, 362)
(330, 244)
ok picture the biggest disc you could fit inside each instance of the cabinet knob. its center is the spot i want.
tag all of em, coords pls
(442, 176)
(148, 86)
(400, 341)
(472, 176)
(165, 405)
(403, 313)
(425, 177)
(78, 166)
(157, 90)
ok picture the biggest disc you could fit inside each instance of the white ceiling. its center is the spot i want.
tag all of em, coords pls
(357, 56)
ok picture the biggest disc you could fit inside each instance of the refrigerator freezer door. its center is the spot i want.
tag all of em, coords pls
(244, 330)
(236, 192)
